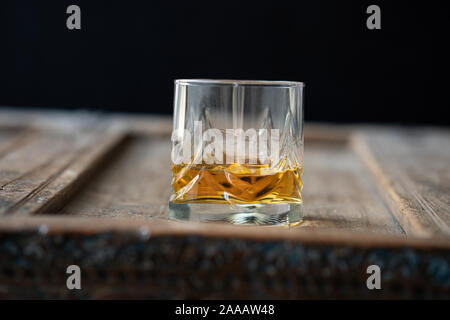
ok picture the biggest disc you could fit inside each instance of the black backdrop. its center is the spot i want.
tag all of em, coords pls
(128, 53)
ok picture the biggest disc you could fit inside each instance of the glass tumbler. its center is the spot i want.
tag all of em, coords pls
(237, 151)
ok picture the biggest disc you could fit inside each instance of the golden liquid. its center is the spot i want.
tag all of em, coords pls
(236, 183)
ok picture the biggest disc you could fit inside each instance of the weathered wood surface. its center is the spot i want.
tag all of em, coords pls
(134, 184)
(411, 169)
(86, 176)
(353, 180)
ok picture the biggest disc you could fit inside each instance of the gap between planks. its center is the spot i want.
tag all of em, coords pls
(43, 172)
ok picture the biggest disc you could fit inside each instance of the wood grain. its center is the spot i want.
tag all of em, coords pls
(92, 190)
(148, 228)
(10, 137)
(361, 180)
(339, 194)
(134, 184)
(41, 163)
(74, 172)
(412, 171)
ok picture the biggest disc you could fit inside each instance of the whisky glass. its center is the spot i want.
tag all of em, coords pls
(237, 151)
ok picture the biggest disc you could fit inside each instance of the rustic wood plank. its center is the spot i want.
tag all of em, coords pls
(22, 167)
(147, 228)
(338, 192)
(73, 173)
(32, 164)
(411, 169)
(135, 184)
(360, 200)
(72, 120)
(11, 137)
(48, 119)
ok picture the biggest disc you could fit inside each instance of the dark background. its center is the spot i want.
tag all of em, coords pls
(128, 53)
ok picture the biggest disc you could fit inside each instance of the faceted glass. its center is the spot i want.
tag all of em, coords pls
(237, 153)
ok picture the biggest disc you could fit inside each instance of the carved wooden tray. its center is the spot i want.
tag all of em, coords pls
(92, 190)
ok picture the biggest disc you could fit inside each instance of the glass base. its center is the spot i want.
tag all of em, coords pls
(290, 214)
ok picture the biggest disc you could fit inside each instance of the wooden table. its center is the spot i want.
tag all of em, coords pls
(91, 189)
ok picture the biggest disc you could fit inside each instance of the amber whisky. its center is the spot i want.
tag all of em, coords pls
(236, 183)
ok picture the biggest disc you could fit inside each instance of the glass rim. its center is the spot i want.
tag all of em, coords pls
(223, 82)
